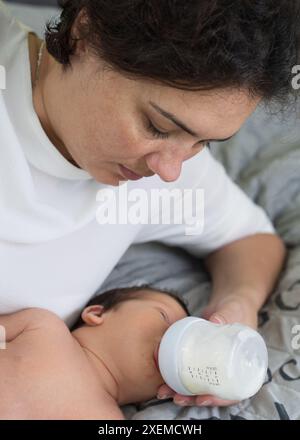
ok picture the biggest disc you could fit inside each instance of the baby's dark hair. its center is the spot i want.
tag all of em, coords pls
(188, 44)
(111, 299)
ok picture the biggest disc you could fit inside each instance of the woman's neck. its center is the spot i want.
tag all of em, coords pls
(34, 45)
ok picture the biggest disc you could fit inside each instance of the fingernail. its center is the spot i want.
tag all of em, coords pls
(219, 319)
(205, 403)
(164, 396)
(181, 402)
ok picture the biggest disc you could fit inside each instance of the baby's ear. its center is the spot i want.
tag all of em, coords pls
(93, 315)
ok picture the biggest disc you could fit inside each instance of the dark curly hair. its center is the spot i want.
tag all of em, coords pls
(111, 299)
(188, 44)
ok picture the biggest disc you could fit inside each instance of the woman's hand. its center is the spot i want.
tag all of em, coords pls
(225, 310)
(232, 308)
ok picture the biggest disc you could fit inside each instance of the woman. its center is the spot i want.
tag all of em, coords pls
(134, 91)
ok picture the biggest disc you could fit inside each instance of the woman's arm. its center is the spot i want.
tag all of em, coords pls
(244, 272)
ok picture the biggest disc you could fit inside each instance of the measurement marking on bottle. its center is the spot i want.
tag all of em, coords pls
(205, 374)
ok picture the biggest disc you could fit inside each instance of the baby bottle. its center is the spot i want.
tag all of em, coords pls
(196, 356)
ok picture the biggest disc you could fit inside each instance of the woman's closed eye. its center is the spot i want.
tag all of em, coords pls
(155, 132)
(164, 135)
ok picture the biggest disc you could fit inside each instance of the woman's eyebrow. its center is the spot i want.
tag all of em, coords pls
(180, 124)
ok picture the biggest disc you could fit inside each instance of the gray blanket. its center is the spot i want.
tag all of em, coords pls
(264, 159)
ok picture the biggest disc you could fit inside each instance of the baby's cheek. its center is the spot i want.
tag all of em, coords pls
(147, 368)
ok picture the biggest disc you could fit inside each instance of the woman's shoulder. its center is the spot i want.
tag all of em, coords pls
(5, 17)
(9, 27)
(5, 20)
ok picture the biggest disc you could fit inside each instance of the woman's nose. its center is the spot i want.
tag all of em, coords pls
(167, 167)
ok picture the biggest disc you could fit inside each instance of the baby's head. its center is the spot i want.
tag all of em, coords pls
(125, 327)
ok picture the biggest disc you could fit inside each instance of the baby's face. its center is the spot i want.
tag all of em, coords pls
(137, 327)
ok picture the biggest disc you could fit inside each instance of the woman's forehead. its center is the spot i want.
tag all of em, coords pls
(203, 110)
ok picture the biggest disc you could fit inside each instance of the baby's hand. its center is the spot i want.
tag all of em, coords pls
(226, 310)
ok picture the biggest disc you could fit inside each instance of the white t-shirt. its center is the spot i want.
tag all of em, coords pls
(53, 251)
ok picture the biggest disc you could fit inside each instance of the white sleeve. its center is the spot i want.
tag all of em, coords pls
(229, 214)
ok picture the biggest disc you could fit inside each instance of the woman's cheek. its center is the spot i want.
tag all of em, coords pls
(132, 147)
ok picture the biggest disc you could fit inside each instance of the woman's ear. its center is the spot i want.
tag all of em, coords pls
(93, 315)
(79, 30)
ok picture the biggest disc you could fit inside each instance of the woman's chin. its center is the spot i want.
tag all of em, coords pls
(113, 179)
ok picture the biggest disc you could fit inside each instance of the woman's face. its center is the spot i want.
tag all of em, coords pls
(100, 120)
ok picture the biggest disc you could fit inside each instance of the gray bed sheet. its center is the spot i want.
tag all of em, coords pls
(264, 159)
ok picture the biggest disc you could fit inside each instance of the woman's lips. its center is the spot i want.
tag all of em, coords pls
(128, 174)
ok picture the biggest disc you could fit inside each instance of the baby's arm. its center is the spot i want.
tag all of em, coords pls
(26, 319)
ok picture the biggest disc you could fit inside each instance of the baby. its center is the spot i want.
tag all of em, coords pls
(108, 359)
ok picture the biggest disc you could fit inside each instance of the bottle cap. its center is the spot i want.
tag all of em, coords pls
(248, 364)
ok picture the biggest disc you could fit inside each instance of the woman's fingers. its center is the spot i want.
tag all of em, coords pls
(203, 400)
(209, 400)
(165, 392)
